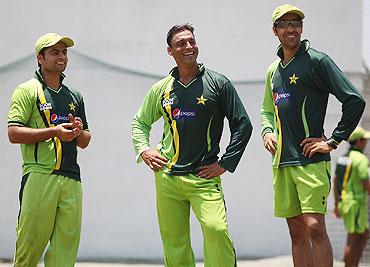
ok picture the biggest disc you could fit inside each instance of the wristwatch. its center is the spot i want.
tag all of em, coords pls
(332, 143)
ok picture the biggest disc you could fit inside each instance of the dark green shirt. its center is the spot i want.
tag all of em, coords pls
(35, 105)
(193, 121)
(295, 103)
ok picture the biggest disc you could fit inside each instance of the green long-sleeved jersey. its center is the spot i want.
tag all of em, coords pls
(295, 102)
(193, 121)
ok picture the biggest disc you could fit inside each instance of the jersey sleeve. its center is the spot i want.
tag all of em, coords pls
(240, 127)
(353, 103)
(21, 107)
(148, 113)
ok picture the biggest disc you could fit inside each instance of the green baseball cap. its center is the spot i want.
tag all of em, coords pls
(282, 10)
(359, 133)
(51, 39)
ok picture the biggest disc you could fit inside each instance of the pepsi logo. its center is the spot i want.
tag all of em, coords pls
(54, 118)
(278, 97)
(176, 113)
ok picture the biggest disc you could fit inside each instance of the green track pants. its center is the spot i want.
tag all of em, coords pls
(50, 210)
(175, 196)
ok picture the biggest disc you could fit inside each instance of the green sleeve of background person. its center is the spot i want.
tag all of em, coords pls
(268, 118)
(149, 112)
(334, 82)
(240, 127)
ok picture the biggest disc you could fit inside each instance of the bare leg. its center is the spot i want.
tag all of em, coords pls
(301, 246)
(354, 248)
(321, 247)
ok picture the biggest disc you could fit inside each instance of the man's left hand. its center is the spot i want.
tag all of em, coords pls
(315, 145)
(210, 171)
(76, 122)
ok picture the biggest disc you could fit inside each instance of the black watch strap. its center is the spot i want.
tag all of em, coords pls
(332, 143)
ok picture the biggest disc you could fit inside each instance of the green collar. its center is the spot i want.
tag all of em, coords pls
(39, 77)
(175, 72)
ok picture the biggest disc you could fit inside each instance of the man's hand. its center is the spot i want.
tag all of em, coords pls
(269, 142)
(65, 132)
(210, 171)
(315, 145)
(76, 122)
(153, 159)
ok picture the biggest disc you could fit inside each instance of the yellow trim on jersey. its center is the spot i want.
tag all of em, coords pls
(43, 101)
(345, 180)
(280, 137)
(58, 144)
(176, 139)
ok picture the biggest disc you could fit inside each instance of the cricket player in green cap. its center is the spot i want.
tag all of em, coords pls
(48, 120)
(351, 187)
(297, 88)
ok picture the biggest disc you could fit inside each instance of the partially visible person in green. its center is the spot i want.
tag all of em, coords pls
(48, 119)
(297, 88)
(193, 102)
(351, 187)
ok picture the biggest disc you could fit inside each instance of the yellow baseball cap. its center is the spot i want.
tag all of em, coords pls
(51, 39)
(359, 133)
(282, 10)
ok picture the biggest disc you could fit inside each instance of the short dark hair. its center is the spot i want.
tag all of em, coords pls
(42, 53)
(178, 28)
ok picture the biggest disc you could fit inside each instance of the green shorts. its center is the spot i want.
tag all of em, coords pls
(354, 216)
(301, 189)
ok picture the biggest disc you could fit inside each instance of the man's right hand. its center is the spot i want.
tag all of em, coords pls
(269, 141)
(153, 159)
(65, 132)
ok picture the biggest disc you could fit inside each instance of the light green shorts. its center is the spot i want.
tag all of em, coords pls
(301, 189)
(355, 216)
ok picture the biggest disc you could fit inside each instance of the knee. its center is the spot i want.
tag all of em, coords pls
(316, 231)
(214, 227)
